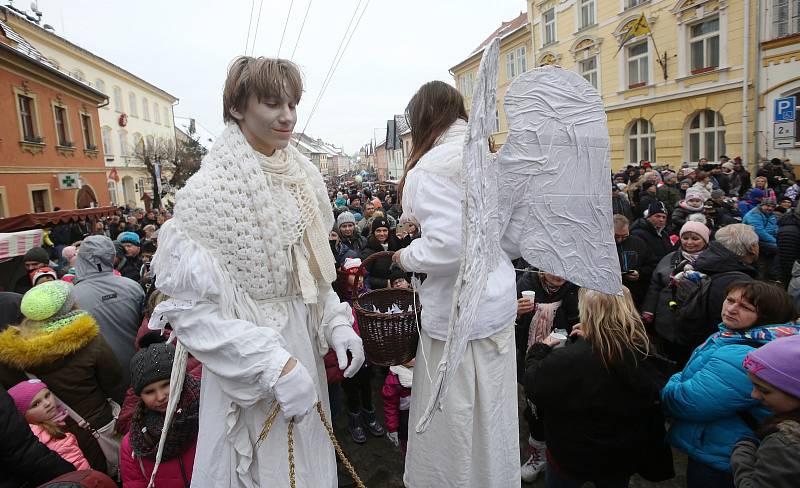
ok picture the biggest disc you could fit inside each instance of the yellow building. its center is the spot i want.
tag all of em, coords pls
(681, 92)
(137, 110)
(515, 58)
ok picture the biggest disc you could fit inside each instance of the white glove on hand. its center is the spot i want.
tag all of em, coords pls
(296, 393)
(344, 338)
(393, 438)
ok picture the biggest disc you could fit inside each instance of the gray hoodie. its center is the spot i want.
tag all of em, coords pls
(115, 302)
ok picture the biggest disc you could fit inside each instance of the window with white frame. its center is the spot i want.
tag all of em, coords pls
(107, 148)
(587, 13)
(637, 64)
(549, 27)
(785, 18)
(156, 114)
(497, 120)
(117, 99)
(145, 109)
(133, 105)
(100, 85)
(704, 45)
(124, 149)
(706, 136)
(166, 116)
(465, 84)
(511, 66)
(522, 60)
(78, 75)
(634, 3)
(641, 141)
(112, 190)
(588, 69)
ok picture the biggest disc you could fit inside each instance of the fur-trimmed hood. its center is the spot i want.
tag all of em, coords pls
(27, 351)
(791, 430)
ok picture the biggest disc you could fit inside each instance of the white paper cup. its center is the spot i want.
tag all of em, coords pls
(558, 336)
(530, 295)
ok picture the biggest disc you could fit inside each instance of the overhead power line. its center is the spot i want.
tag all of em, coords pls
(258, 22)
(285, 24)
(301, 29)
(249, 24)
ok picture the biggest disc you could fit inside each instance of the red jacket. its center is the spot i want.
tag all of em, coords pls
(396, 397)
(135, 472)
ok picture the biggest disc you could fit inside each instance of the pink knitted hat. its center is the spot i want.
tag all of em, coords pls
(23, 393)
(697, 228)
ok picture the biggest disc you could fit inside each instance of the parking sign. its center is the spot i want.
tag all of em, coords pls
(784, 109)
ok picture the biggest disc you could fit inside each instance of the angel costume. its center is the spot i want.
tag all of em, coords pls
(247, 265)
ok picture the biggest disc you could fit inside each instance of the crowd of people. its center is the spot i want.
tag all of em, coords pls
(699, 352)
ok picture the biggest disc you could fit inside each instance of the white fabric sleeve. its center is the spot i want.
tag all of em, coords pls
(335, 312)
(437, 207)
(248, 359)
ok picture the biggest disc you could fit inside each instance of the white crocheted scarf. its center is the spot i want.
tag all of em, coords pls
(228, 207)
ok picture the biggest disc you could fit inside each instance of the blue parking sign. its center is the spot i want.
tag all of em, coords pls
(784, 109)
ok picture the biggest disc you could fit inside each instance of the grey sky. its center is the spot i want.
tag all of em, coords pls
(185, 46)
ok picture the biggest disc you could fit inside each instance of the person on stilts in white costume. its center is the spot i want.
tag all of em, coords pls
(247, 265)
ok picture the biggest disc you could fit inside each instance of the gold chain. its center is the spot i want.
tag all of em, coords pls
(290, 438)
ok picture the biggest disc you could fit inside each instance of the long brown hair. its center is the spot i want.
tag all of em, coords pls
(431, 111)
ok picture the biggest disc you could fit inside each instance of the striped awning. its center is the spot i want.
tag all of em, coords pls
(18, 243)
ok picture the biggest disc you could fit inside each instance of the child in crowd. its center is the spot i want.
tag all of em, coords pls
(151, 369)
(396, 394)
(772, 460)
(43, 275)
(46, 415)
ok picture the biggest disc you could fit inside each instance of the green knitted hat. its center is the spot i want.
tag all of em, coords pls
(46, 300)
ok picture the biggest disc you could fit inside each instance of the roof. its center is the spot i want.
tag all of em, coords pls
(505, 29)
(22, 47)
(401, 123)
(75, 47)
(204, 136)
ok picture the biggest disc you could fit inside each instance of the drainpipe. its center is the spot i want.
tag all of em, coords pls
(745, 82)
(757, 86)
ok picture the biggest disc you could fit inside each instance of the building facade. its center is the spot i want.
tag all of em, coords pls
(779, 78)
(49, 132)
(515, 58)
(680, 88)
(137, 111)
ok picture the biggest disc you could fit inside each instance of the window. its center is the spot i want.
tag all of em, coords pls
(637, 65)
(78, 75)
(496, 121)
(124, 150)
(588, 69)
(112, 190)
(107, 141)
(145, 109)
(511, 66)
(785, 17)
(117, 99)
(156, 114)
(88, 133)
(62, 131)
(706, 136)
(465, 84)
(587, 13)
(40, 199)
(132, 104)
(549, 29)
(704, 45)
(100, 85)
(634, 3)
(166, 117)
(641, 141)
(26, 116)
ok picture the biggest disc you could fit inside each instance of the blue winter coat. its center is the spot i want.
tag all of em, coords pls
(766, 226)
(705, 398)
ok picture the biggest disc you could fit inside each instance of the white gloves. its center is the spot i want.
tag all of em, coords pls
(344, 338)
(295, 393)
(393, 438)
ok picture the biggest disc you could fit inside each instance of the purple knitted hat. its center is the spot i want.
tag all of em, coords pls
(777, 363)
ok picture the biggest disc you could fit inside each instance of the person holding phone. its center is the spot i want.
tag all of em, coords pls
(636, 261)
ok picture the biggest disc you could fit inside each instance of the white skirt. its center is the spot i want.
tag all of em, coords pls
(474, 440)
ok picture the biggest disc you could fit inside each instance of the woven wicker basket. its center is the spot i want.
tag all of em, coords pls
(389, 339)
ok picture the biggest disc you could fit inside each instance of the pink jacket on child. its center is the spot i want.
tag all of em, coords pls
(174, 473)
(67, 447)
(396, 397)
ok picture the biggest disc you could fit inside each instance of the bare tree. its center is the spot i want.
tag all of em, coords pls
(188, 154)
(154, 153)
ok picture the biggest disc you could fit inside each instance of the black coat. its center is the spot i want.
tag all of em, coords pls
(597, 420)
(566, 316)
(659, 245)
(635, 255)
(621, 206)
(379, 272)
(659, 295)
(788, 244)
(24, 461)
(355, 242)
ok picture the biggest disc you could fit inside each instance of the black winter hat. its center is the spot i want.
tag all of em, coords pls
(149, 245)
(38, 254)
(151, 364)
(377, 224)
(656, 207)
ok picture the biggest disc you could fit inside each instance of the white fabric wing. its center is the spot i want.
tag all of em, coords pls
(480, 233)
(555, 186)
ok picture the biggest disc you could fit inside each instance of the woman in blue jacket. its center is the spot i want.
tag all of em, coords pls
(709, 401)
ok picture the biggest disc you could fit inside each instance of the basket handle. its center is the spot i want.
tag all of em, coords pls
(372, 257)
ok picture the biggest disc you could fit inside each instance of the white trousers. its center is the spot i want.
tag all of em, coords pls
(474, 440)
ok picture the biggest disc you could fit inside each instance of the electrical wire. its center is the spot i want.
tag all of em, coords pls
(258, 22)
(301, 29)
(285, 24)
(249, 24)
(336, 59)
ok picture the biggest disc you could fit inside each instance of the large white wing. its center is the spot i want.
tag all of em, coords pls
(555, 179)
(480, 232)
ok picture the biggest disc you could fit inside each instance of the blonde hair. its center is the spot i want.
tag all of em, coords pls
(263, 77)
(611, 324)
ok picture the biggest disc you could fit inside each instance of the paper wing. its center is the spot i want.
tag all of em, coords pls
(555, 179)
(480, 228)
